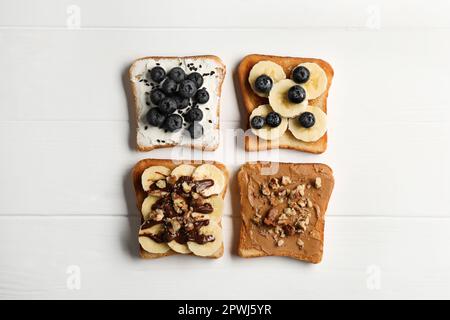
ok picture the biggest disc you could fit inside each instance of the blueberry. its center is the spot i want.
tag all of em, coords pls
(263, 84)
(300, 74)
(197, 78)
(169, 86)
(155, 117)
(173, 122)
(187, 89)
(257, 122)
(195, 130)
(176, 74)
(156, 96)
(168, 105)
(307, 119)
(296, 94)
(157, 74)
(195, 114)
(273, 119)
(202, 96)
(181, 102)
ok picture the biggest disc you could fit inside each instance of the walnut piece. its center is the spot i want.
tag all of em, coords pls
(271, 217)
(161, 184)
(318, 183)
(280, 242)
(300, 244)
(285, 180)
(186, 187)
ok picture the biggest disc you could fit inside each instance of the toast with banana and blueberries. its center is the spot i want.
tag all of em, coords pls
(177, 101)
(286, 102)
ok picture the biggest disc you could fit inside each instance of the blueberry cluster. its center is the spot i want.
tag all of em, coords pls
(273, 119)
(176, 90)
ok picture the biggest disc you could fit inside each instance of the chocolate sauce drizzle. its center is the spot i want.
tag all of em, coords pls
(187, 232)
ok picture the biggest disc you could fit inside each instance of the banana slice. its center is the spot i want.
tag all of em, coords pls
(217, 204)
(269, 68)
(267, 132)
(149, 244)
(153, 174)
(280, 103)
(183, 170)
(146, 208)
(210, 171)
(317, 82)
(315, 132)
(208, 248)
(179, 247)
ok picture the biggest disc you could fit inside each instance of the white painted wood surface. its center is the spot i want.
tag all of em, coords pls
(66, 198)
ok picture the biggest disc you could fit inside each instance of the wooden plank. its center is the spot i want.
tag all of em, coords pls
(72, 167)
(231, 14)
(81, 75)
(364, 258)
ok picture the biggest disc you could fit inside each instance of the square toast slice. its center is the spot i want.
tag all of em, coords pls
(149, 137)
(251, 101)
(283, 209)
(141, 194)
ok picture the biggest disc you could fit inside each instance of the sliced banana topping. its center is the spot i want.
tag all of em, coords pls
(274, 71)
(317, 82)
(267, 132)
(210, 171)
(183, 170)
(307, 128)
(179, 247)
(208, 248)
(149, 244)
(146, 208)
(280, 103)
(153, 174)
(217, 204)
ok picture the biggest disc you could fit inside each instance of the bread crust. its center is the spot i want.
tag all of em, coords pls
(136, 174)
(248, 248)
(134, 91)
(251, 100)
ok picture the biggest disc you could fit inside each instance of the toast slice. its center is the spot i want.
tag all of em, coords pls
(141, 195)
(283, 209)
(150, 137)
(251, 100)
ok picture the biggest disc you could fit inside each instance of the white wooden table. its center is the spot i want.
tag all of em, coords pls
(67, 212)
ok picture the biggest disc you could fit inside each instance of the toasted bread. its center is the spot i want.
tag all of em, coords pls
(259, 195)
(210, 140)
(141, 194)
(251, 100)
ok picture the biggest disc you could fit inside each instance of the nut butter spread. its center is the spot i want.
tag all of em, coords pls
(283, 212)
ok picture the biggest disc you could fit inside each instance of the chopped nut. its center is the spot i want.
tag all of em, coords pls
(265, 190)
(288, 211)
(270, 217)
(318, 183)
(285, 180)
(186, 187)
(274, 184)
(301, 203)
(195, 195)
(161, 184)
(189, 226)
(283, 219)
(257, 218)
(300, 243)
(175, 225)
(309, 203)
(197, 216)
(159, 216)
(280, 243)
(289, 230)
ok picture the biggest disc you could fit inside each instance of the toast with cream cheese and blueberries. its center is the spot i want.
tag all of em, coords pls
(177, 101)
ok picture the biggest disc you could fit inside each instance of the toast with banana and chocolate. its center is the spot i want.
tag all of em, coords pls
(177, 101)
(181, 205)
(283, 209)
(286, 102)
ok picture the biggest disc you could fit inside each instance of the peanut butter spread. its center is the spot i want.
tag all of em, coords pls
(283, 208)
